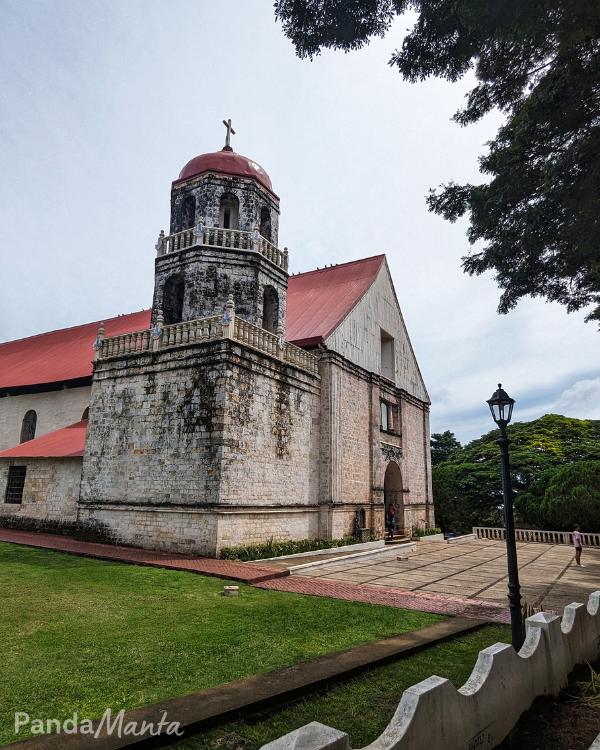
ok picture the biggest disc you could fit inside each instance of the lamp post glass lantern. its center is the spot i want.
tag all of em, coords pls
(501, 406)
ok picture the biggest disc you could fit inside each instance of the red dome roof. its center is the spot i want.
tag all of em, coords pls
(226, 162)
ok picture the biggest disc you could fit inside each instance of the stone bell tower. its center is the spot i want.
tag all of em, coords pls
(222, 242)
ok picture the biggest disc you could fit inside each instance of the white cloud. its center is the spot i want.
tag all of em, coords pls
(581, 400)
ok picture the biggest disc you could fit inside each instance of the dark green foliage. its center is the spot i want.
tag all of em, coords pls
(85, 531)
(443, 445)
(467, 488)
(538, 214)
(426, 532)
(274, 548)
(563, 497)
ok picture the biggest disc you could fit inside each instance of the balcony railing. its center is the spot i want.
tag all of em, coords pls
(213, 328)
(225, 238)
(536, 535)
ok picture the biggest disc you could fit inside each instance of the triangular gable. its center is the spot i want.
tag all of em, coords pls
(358, 336)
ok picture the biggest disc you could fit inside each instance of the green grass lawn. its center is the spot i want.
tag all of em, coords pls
(85, 635)
(362, 706)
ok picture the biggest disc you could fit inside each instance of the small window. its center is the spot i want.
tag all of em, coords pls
(28, 426)
(388, 369)
(15, 484)
(385, 416)
(86, 413)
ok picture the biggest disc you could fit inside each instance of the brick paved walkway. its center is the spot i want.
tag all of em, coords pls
(441, 604)
(229, 569)
(266, 576)
(474, 570)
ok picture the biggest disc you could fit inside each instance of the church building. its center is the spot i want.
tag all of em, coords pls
(246, 404)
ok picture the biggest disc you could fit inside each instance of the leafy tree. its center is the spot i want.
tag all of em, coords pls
(467, 488)
(443, 445)
(538, 215)
(563, 497)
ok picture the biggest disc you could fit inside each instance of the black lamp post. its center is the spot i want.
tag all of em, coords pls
(501, 406)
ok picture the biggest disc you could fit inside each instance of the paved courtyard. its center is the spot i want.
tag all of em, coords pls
(475, 570)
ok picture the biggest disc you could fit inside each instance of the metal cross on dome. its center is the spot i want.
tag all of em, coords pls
(230, 132)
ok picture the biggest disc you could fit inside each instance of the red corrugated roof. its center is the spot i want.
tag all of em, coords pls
(64, 443)
(318, 301)
(60, 355)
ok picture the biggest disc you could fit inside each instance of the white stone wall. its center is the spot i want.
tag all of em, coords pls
(180, 530)
(257, 525)
(54, 409)
(358, 337)
(51, 488)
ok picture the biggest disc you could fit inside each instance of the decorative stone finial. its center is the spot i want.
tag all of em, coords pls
(160, 243)
(156, 331)
(229, 317)
(99, 342)
(280, 341)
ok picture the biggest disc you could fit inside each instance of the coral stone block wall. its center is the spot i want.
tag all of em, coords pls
(356, 451)
(198, 447)
(51, 488)
(210, 275)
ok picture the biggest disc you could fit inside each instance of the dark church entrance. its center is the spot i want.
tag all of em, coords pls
(392, 493)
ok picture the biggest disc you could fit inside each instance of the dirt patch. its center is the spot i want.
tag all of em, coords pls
(571, 722)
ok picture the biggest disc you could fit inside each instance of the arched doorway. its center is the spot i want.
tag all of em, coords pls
(265, 223)
(392, 493)
(229, 211)
(270, 318)
(173, 294)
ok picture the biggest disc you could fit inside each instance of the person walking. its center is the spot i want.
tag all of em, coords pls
(578, 544)
(390, 520)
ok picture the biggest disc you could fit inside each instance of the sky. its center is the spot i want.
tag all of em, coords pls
(101, 105)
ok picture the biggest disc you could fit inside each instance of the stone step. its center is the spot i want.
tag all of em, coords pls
(397, 540)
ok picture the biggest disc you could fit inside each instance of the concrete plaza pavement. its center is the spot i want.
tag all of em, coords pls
(475, 570)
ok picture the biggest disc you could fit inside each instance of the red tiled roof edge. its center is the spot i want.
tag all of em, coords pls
(67, 442)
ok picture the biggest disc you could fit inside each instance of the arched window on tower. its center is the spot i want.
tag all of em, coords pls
(188, 213)
(265, 223)
(229, 211)
(270, 319)
(28, 426)
(173, 294)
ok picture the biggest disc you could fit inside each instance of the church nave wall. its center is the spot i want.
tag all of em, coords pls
(51, 489)
(54, 409)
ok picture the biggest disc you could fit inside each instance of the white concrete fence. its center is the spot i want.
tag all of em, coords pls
(434, 715)
(536, 535)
